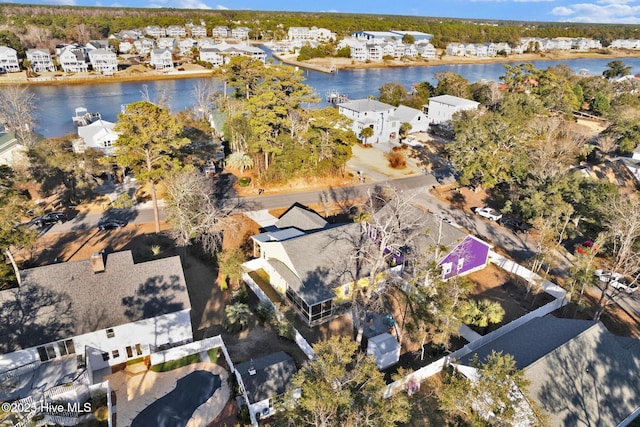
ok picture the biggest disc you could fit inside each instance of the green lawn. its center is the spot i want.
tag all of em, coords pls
(179, 363)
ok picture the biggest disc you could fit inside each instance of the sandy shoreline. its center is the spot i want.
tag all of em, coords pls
(325, 65)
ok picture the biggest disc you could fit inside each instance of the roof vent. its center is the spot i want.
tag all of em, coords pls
(252, 369)
(97, 262)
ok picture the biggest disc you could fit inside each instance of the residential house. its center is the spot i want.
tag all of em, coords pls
(167, 43)
(357, 47)
(416, 118)
(40, 60)
(426, 50)
(312, 265)
(161, 59)
(72, 60)
(198, 31)
(155, 31)
(98, 135)
(221, 31)
(625, 44)
(103, 61)
(240, 33)
(9, 59)
(321, 34)
(373, 114)
(442, 108)
(240, 49)
(580, 374)
(213, 56)
(144, 45)
(299, 33)
(264, 381)
(455, 49)
(374, 52)
(176, 31)
(12, 152)
(125, 46)
(97, 44)
(185, 45)
(75, 320)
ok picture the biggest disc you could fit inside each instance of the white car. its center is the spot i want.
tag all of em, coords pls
(488, 213)
(615, 280)
(412, 142)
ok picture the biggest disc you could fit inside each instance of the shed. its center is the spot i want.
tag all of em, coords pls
(386, 349)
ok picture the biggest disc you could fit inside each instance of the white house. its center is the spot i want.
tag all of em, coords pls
(82, 317)
(426, 50)
(103, 61)
(442, 108)
(241, 33)
(416, 118)
(144, 45)
(161, 59)
(213, 56)
(11, 151)
(263, 380)
(299, 33)
(321, 34)
(9, 59)
(72, 60)
(625, 44)
(198, 31)
(221, 31)
(372, 114)
(98, 135)
(40, 60)
(185, 45)
(167, 43)
(176, 31)
(155, 31)
(125, 46)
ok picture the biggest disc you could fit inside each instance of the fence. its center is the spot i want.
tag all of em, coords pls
(191, 348)
(299, 339)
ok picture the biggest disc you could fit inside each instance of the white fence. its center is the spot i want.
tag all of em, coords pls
(550, 288)
(189, 349)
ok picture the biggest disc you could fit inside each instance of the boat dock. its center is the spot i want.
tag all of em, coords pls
(335, 97)
(84, 117)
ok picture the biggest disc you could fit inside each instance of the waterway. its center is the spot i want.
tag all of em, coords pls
(57, 103)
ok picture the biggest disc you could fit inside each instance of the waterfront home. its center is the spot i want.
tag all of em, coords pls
(625, 44)
(298, 33)
(12, 153)
(40, 60)
(97, 44)
(240, 33)
(221, 31)
(9, 59)
(198, 31)
(321, 34)
(417, 119)
(442, 108)
(185, 45)
(125, 46)
(98, 135)
(161, 59)
(103, 61)
(72, 60)
(176, 31)
(426, 50)
(213, 56)
(372, 114)
(167, 43)
(144, 45)
(155, 31)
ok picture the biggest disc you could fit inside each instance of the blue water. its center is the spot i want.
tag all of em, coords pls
(57, 103)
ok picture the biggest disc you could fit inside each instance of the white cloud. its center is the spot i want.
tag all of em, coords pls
(221, 7)
(64, 2)
(605, 12)
(532, 1)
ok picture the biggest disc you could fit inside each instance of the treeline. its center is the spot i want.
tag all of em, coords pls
(63, 23)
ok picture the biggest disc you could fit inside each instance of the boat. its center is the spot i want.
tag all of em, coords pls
(335, 97)
(83, 117)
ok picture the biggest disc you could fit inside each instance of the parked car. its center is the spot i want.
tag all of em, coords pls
(615, 280)
(586, 247)
(515, 225)
(412, 142)
(110, 224)
(50, 218)
(488, 213)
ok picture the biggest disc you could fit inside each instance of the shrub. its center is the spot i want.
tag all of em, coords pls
(397, 160)
(244, 181)
(266, 312)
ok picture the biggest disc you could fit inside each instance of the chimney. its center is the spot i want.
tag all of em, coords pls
(97, 262)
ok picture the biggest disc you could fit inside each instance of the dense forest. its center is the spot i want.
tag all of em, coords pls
(37, 25)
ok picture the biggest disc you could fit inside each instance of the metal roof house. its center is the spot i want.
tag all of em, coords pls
(580, 373)
(442, 108)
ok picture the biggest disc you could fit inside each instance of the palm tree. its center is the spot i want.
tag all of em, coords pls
(237, 317)
(240, 160)
(230, 264)
(481, 313)
(366, 133)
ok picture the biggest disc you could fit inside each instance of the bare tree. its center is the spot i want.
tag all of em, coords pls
(607, 144)
(17, 112)
(192, 211)
(621, 235)
(202, 97)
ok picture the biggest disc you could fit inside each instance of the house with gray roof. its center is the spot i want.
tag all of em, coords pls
(442, 108)
(580, 373)
(316, 266)
(98, 135)
(88, 316)
(11, 151)
(416, 118)
(373, 114)
(264, 380)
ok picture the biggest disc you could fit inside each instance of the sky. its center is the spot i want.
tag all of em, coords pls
(599, 11)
